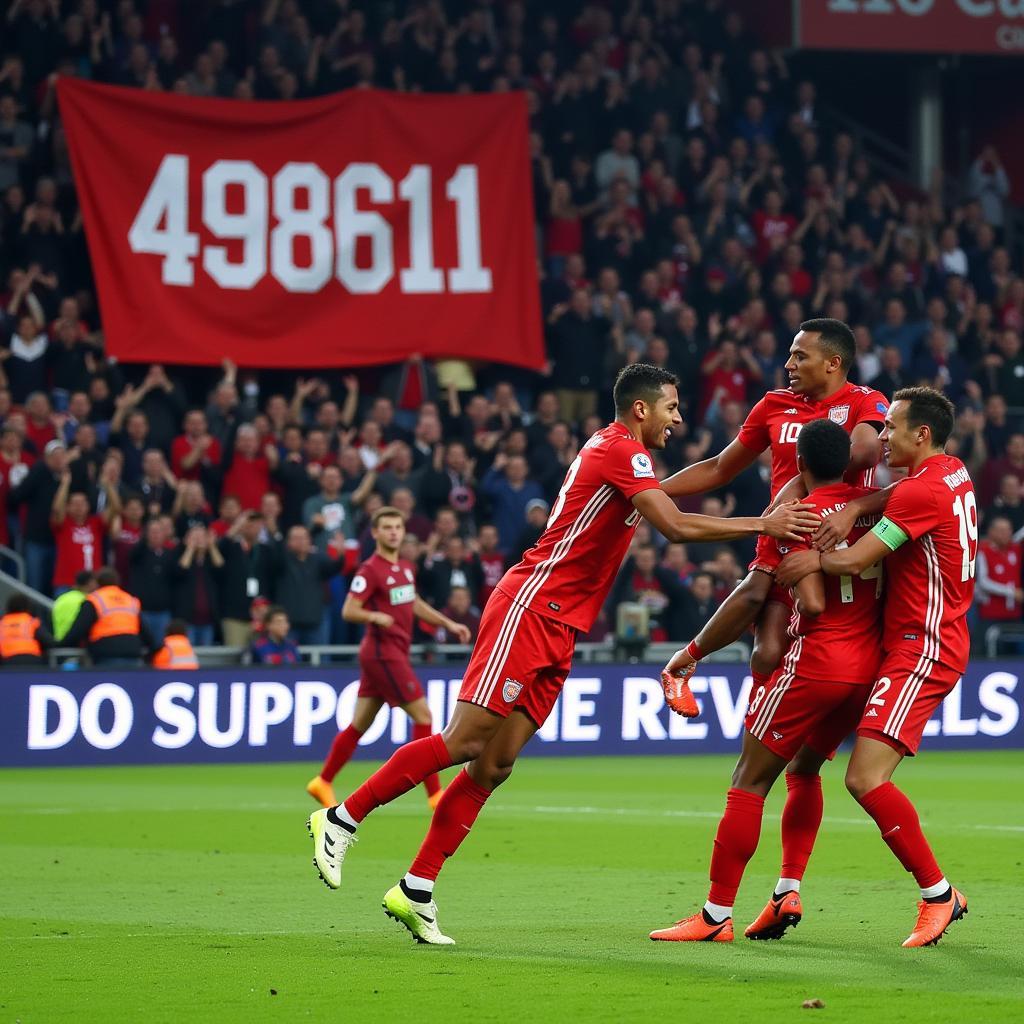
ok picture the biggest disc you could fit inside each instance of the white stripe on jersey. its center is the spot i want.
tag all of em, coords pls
(771, 705)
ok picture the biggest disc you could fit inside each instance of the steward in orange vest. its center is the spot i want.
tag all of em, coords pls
(23, 639)
(176, 652)
(109, 624)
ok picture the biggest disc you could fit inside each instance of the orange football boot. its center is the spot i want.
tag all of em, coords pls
(322, 792)
(780, 914)
(695, 929)
(435, 799)
(678, 695)
(934, 918)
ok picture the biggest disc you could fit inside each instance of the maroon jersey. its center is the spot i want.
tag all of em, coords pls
(999, 579)
(844, 643)
(385, 586)
(931, 582)
(776, 422)
(567, 574)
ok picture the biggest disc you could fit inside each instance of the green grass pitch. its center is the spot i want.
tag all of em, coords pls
(187, 894)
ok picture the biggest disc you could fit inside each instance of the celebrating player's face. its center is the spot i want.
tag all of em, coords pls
(662, 417)
(899, 440)
(808, 364)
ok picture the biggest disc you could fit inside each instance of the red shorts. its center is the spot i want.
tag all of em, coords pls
(520, 660)
(766, 559)
(391, 680)
(909, 688)
(790, 712)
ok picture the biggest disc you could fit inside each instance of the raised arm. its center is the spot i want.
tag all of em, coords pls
(712, 473)
(59, 508)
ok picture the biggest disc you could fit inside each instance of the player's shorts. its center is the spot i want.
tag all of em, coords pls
(766, 559)
(790, 712)
(520, 660)
(909, 688)
(392, 680)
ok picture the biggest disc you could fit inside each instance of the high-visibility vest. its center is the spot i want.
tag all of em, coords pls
(117, 613)
(176, 653)
(18, 635)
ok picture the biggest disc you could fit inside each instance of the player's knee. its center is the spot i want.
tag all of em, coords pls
(464, 748)
(499, 773)
(860, 781)
(752, 778)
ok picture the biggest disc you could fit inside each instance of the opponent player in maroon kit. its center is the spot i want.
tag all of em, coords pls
(813, 701)
(383, 597)
(929, 538)
(819, 363)
(528, 632)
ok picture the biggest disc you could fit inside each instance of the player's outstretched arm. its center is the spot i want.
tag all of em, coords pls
(710, 474)
(836, 528)
(787, 522)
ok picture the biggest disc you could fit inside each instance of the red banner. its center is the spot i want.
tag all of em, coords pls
(934, 26)
(350, 230)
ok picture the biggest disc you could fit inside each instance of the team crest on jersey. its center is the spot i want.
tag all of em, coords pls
(642, 466)
(839, 414)
(511, 690)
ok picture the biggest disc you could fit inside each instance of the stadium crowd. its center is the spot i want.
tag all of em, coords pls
(693, 205)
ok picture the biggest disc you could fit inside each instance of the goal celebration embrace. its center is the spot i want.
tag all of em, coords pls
(861, 657)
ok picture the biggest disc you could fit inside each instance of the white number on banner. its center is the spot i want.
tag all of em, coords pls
(236, 206)
(167, 200)
(250, 225)
(301, 223)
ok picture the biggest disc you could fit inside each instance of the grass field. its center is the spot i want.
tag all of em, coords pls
(187, 894)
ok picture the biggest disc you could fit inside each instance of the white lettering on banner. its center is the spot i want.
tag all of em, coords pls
(917, 8)
(731, 713)
(170, 713)
(994, 694)
(575, 709)
(315, 703)
(952, 722)
(642, 699)
(40, 697)
(89, 716)
(160, 227)
(548, 732)
(269, 704)
(209, 731)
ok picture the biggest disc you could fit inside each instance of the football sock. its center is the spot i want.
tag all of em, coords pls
(786, 885)
(900, 826)
(801, 819)
(420, 890)
(431, 783)
(341, 750)
(735, 843)
(941, 892)
(339, 816)
(406, 768)
(453, 818)
(715, 914)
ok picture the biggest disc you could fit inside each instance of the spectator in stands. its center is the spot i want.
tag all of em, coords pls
(247, 574)
(152, 567)
(36, 493)
(577, 342)
(79, 534)
(999, 594)
(642, 580)
(509, 489)
(457, 567)
(275, 646)
(248, 473)
(459, 608)
(195, 584)
(697, 605)
(987, 182)
(536, 512)
(300, 573)
(196, 453)
(492, 563)
(331, 512)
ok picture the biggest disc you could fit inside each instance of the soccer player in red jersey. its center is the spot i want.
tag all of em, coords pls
(819, 363)
(813, 701)
(929, 537)
(383, 597)
(79, 533)
(527, 634)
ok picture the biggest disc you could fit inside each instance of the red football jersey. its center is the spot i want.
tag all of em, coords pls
(931, 582)
(79, 547)
(567, 574)
(1001, 569)
(389, 587)
(776, 422)
(844, 643)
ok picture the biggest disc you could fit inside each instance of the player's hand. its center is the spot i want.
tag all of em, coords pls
(678, 696)
(383, 620)
(460, 632)
(791, 521)
(835, 529)
(682, 663)
(794, 567)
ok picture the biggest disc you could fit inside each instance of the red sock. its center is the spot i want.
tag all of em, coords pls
(900, 826)
(801, 819)
(341, 750)
(432, 784)
(407, 767)
(463, 800)
(735, 843)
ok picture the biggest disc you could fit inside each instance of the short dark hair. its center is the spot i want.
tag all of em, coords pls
(836, 338)
(83, 578)
(825, 448)
(927, 407)
(108, 577)
(385, 512)
(641, 381)
(17, 603)
(176, 627)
